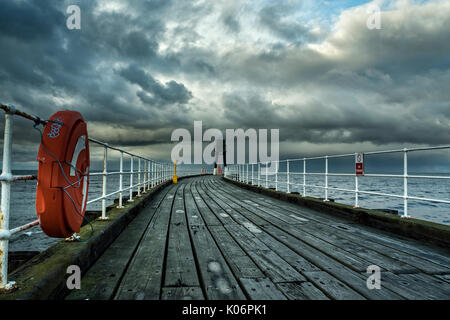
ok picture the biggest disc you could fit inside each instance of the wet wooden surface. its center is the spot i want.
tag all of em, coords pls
(207, 239)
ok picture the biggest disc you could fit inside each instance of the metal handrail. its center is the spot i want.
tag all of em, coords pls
(240, 172)
(154, 173)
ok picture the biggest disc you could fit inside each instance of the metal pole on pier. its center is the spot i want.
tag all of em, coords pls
(405, 183)
(105, 174)
(304, 177)
(6, 197)
(121, 181)
(131, 179)
(139, 178)
(287, 178)
(326, 178)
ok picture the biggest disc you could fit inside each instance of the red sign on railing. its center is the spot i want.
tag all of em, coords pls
(359, 164)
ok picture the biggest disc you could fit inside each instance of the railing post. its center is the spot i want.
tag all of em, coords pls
(287, 178)
(139, 178)
(148, 174)
(158, 173)
(144, 188)
(253, 181)
(304, 177)
(267, 175)
(246, 179)
(356, 192)
(152, 176)
(405, 183)
(155, 174)
(356, 188)
(105, 181)
(121, 181)
(259, 174)
(6, 197)
(131, 179)
(276, 176)
(326, 178)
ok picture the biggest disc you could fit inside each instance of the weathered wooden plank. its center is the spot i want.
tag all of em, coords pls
(387, 257)
(180, 268)
(194, 217)
(334, 288)
(301, 291)
(262, 289)
(332, 264)
(143, 278)
(274, 267)
(433, 287)
(239, 262)
(182, 293)
(413, 287)
(403, 244)
(283, 251)
(443, 277)
(415, 248)
(222, 215)
(102, 279)
(343, 256)
(230, 207)
(353, 279)
(368, 254)
(209, 217)
(178, 215)
(246, 238)
(247, 201)
(216, 276)
(294, 259)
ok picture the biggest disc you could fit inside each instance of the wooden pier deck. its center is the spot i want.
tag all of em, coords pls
(207, 239)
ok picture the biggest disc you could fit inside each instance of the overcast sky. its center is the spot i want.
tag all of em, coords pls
(137, 70)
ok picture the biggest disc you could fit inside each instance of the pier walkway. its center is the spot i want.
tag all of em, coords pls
(205, 238)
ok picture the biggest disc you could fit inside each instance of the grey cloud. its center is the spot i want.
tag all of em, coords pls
(155, 92)
(273, 17)
(232, 23)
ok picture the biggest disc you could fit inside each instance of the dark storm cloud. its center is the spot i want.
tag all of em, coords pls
(45, 67)
(231, 22)
(155, 92)
(272, 17)
(28, 21)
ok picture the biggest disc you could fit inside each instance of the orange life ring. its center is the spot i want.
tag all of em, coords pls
(61, 193)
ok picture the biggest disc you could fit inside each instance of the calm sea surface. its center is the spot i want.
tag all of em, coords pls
(23, 200)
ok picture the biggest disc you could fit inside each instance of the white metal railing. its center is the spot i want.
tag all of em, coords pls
(255, 174)
(150, 173)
